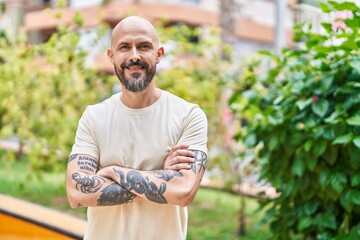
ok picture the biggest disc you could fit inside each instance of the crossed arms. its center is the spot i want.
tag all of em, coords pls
(177, 183)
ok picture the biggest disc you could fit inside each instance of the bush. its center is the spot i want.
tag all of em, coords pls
(44, 90)
(303, 113)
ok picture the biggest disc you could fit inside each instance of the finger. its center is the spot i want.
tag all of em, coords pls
(176, 148)
(180, 146)
(180, 166)
(181, 159)
(186, 153)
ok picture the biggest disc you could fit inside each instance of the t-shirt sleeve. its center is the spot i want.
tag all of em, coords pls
(85, 140)
(195, 130)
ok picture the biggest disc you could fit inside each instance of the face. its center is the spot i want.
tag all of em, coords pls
(135, 53)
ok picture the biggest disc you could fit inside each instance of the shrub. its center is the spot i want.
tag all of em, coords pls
(303, 113)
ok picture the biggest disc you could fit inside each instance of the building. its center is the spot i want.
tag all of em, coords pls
(254, 20)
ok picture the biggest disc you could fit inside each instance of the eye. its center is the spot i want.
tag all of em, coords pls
(124, 47)
(144, 47)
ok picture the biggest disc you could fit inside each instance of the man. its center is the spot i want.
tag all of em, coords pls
(139, 156)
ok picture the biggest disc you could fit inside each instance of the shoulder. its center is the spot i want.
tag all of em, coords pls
(103, 107)
(179, 103)
(190, 113)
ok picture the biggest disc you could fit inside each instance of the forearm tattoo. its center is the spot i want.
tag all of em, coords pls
(87, 183)
(166, 175)
(135, 181)
(200, 161)
(114, 194)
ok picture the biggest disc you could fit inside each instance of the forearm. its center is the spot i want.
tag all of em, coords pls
(85, 188)
(90, 190)
(160, 186)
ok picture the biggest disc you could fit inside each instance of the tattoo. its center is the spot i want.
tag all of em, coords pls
(142, 185)
(87, 163)
(72, 157)
(167, 175)
(87, 184)
(200, 160)
(114, 194)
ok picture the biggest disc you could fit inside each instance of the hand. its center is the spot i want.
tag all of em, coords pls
(104, 172)
(179, 158)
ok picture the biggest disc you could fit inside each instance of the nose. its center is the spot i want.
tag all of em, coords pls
(135, 55)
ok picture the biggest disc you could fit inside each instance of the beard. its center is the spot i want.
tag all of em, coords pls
(135, 83)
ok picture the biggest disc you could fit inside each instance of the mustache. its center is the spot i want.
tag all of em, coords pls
(132, 63)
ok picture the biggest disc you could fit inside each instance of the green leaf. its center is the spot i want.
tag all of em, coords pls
(334, 118)
(327, 26)
(320, 108)
(355, 65)
(344, 139)
(303, 103)
(338, 181)
(355, 180)
(305, 222)
(311, 163)
(327, 220)
(308, 144)
(298, 167)
(325, 8)
(265, 52)
(354, 196)
(354, 120)
(345, 201)
(331, 155)
(356, 141)
(344, 6)
(325, 177)
(310, 207)
(250, 140)
(320, 148)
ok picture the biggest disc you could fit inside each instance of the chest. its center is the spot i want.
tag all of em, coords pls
(139, 141)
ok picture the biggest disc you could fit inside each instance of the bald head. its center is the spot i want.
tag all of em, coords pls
(134, 25)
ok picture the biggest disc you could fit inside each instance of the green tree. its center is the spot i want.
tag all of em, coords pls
(300, 112)
(44, 89)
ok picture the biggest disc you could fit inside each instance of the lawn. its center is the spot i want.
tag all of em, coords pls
(212, 215)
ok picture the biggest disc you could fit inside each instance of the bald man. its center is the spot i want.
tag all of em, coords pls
(139, 156)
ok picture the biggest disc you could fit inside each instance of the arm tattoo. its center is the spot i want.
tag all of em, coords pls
(114, 194)
(200, 161)
(167, 175)
(72, 157)
(88, 183)
(87, 163)
(142, 185)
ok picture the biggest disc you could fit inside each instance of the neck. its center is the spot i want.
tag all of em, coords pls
(137, 100)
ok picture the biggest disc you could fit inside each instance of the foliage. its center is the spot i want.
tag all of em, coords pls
(44, 89)
(196, 72)
(302, 112)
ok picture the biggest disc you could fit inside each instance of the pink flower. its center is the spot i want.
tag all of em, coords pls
(338, 25)
(342, 15)
(338, 19)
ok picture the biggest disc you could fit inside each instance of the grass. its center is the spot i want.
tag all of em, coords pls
(212, 215)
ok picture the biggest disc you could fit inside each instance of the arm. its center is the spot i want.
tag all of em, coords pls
(85, 188)
(161, 186)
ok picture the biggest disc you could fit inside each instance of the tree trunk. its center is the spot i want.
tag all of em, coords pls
(242, 222)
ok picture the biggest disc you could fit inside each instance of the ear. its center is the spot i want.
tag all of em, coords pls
(160, 53)
(110, 55)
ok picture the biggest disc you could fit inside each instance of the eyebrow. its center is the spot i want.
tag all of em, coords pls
(140, 43)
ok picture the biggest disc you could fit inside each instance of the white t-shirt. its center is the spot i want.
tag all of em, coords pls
(139, 139)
